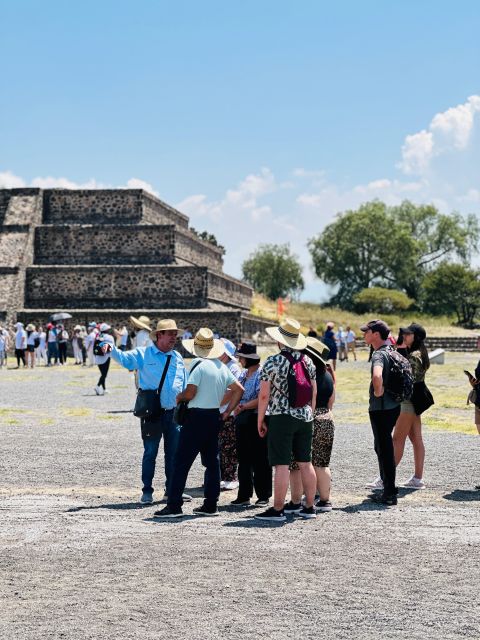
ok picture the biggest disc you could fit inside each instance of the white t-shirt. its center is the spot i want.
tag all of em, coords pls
(142, 339)
(3, 339)
(31, 338)
(124, 337)
(52, 335)
(350, 337)
(42, 335)
(212, 378)
(20, 339)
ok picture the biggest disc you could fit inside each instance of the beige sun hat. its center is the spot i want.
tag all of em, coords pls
(30, 327)
(317, 350)
(143, 322)
(165, 325)
(288, 333)
(204, 345)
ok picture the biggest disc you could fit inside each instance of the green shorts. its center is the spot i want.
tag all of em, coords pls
(289, 436)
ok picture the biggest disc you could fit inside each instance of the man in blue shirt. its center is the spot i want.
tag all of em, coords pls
(150, 362)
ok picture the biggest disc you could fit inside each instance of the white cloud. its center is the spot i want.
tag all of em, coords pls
(450, 130)
(49, 182)
(137, 183)
(9, 180)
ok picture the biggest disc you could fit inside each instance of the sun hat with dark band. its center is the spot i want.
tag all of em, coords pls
(288, 333)
(248, 350)
(143, 322)
(165, 325)
(204, 345)
(317, 350)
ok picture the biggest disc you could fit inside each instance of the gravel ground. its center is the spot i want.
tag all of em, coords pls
(80, 558)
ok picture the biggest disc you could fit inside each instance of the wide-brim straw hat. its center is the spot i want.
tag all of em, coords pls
(288, 333)
(317, 350)
(143, 322)
(165, 325)
(204, 345)
(30, 327)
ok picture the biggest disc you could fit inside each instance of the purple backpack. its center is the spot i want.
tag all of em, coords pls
(300, 388)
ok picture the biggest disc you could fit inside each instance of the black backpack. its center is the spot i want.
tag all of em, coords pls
(399, 382)
(97, 350)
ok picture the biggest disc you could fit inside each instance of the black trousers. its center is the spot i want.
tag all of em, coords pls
(253, 468)
(103, 373)
(62, 352)
(20, 354)
(382, 426)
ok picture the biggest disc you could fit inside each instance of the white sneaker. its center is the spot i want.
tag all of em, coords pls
(99, 390)
(230, 485)
(414, 483)
(376, 484)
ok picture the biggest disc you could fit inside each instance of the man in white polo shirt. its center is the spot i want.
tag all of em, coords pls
(207, 384)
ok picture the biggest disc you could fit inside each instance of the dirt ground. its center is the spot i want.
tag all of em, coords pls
(80, 558)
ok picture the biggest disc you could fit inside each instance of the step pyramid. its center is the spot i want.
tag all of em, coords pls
(103, 255)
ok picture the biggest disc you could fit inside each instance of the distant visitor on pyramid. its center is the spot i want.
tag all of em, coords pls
(109, 254)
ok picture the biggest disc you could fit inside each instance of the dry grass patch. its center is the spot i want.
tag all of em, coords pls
(77, 412)
(310, 314)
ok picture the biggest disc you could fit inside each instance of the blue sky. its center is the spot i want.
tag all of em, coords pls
(261, 120)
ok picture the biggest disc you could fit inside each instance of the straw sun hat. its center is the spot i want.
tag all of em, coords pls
(164, 325)
(204, 345)
(143, 322)
(288, 333)
(317, 350)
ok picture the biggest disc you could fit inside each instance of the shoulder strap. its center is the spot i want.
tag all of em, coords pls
(164, 374)
(195, 365)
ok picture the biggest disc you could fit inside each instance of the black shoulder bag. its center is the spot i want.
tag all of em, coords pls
(147, 404)
(181, 410)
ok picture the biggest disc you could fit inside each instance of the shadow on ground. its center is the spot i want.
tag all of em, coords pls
(463, 495)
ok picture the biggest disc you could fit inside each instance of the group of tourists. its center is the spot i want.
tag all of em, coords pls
(266, 429)
(259, 430)
(341, 343)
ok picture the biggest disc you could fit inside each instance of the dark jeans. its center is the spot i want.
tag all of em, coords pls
(158, 427)
(62, 352)
(103, 373)
(52, 352)
(382, 426)
(198, 435)
(20, 354)
(253, 468)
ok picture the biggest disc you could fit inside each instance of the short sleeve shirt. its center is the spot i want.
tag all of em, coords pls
(380, 358)
(212, 378)
(275, 371)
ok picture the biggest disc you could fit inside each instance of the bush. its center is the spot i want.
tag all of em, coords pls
(379, 300)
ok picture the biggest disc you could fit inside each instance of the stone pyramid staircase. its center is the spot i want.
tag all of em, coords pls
(106, 254)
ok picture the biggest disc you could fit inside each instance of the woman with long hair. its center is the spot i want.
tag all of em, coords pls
(323, 433)
(411, 341)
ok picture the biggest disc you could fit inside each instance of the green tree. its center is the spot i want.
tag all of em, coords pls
(453, 289)
(272, 270)
(391, 247)
(380, 300)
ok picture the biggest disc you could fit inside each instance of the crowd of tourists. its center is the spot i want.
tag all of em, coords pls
(259, 429)
(267, 429)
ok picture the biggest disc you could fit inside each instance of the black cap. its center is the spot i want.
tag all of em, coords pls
(377, 325)
(417, 330)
